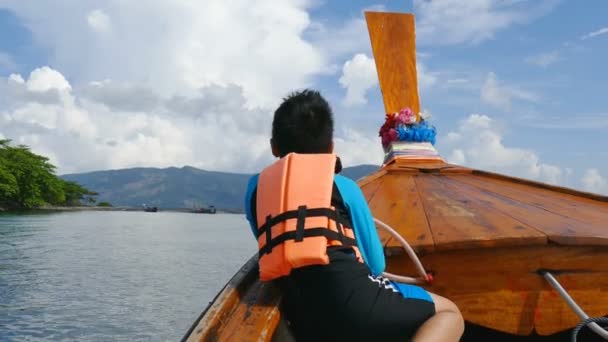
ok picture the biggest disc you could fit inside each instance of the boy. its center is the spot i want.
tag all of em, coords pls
(324, 251)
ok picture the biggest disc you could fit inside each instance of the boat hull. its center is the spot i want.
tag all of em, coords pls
(506, 292)
(248, 310)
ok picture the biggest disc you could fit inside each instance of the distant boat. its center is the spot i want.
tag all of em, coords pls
(210, 210)
(150, 209)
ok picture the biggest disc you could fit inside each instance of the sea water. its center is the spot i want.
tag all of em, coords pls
(114, 276)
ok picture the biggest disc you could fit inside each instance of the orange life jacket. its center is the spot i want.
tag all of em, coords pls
(296, 221)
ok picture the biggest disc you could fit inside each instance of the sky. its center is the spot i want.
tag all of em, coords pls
(517, 87)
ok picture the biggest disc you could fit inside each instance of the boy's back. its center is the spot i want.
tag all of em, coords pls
(317, 240)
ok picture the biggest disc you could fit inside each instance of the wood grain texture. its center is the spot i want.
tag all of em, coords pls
(370, 185)
(561, 189)
(256, 316)
(393, 40)
(245, 310)
(564, 218)
(398, 204)
(499, 288)
(459, 220)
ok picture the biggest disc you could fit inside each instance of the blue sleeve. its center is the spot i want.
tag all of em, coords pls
(363, 224)
(253, 183)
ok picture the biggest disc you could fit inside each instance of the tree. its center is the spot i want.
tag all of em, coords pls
(8, 184)
(74, 193)
(28, 180)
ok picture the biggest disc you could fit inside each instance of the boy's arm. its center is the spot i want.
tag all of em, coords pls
(363, 224)
(251, 186)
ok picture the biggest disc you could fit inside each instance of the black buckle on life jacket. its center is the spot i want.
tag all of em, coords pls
(300, 223)
(339, 227)
(269, 232)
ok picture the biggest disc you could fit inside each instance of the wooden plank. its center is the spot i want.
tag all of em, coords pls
(398, 204)
(583, 208)
(245, 310)
(565, 219)
(256, 317)
(561, 189)
(226, 301)
(364, 181)
(369, 189)
(393, 40)
(460, 221)
(500, 288)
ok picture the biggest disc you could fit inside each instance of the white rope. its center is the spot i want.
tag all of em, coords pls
(572, 304)
(403, 279)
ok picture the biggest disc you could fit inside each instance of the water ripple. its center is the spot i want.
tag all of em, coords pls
(119, 276)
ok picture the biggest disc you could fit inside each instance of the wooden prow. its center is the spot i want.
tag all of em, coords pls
(393, 39)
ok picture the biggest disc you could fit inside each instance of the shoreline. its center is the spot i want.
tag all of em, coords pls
(91, 208)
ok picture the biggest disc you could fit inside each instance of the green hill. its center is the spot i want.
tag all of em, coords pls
(175, 188)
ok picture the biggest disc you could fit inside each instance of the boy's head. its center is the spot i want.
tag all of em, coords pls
(303, 123)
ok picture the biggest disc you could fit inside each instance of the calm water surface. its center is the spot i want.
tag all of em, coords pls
(114, 276)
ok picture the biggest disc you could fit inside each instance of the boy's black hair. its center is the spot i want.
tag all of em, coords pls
(303, 123)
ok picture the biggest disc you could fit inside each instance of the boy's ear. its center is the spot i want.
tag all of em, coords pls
(275, 150)
(331, 147)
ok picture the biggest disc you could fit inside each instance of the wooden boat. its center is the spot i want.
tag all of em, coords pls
(487, 238)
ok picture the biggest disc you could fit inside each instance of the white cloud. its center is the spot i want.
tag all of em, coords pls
(85, 130)
(478, 143)
(92, 127)
(99, 21)
(594, 182)
(346, 39)
(45, 79)
(457, 157)
(426, 79)
(599, 32)
(16, 78)
(579, 121)
(358, 76)
(457, 81)
(544, 59)
(6, 61)
(176, 47)
(501, 96)
(167, 84)
(341, 40)
(472, 21)
(355, 148)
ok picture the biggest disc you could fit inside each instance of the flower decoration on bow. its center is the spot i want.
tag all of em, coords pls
(403, 126)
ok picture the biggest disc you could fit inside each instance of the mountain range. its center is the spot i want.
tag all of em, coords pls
(177, 188)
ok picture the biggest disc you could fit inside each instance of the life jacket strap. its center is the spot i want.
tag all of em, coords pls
(308, 232)
(301, 213)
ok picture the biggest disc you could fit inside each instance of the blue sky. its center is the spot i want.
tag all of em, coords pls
(514, 86)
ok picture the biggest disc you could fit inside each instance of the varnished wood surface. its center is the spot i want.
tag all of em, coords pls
(245, 310)
(396, 194)
(564, 218)
(499, 288)
(393, 42)
(462, 208)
